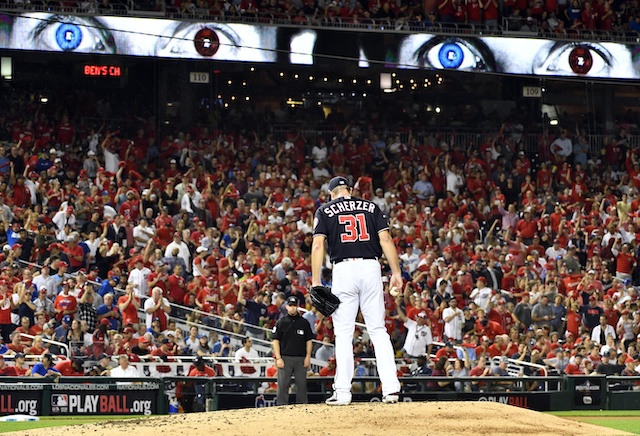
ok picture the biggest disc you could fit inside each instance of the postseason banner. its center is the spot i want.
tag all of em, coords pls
(164, 38)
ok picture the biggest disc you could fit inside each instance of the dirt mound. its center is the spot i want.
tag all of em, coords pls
(431, 418)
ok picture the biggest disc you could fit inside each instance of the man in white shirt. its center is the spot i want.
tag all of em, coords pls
(143, 232)
(562, 147)
(111, 158)
(320, 171)
(183, 250)
(138, 277)
(190, 198)
(157, 306)
(319, 151)
(124, 369)
(246, 353)
(64, 217)
(45, 281)
(453, 177)
(555, 251)
(419, 339)
(601, 331)
(380, 201)
(481, 295)
(453, 321)
(245, 356)
(409, 259)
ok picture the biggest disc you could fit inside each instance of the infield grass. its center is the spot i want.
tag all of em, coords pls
(58, 421)
(624, 420)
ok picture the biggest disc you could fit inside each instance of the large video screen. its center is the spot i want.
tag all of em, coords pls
(299, 46)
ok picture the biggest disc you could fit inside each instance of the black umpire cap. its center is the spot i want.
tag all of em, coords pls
(292, 301)
(338, 181)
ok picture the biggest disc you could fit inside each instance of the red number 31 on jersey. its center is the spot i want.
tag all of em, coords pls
(355, 228)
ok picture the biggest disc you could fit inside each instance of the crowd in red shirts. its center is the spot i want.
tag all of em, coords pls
(549, 15)
(535, 247)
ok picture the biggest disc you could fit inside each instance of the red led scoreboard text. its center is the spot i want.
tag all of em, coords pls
(102, 71)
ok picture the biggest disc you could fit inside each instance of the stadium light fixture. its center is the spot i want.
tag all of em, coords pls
(6, 68)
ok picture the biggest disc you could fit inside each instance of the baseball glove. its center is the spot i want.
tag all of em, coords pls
(324, 300)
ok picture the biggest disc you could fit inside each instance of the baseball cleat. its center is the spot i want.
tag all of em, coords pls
(390, 398)
(334, 401)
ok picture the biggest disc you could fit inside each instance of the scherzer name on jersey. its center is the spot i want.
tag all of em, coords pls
(349, 206)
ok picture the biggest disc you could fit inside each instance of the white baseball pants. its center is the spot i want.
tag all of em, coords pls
(358, 283)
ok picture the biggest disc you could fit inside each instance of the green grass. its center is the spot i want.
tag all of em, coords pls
(58, 421)
(629, 420)
(596, 413)
(617, 424)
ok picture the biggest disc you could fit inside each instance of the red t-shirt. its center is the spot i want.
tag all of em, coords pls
(130, 314)
(75, 251)
(5, 308)
(573, 369)
(176, 287)
(64, 302)
(207, 372)
(66, 369)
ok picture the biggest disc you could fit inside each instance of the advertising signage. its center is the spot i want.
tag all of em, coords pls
(97, 399)
(21, 399)
(165, 38)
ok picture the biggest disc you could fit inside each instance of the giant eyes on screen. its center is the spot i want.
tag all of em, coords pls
(206, 42)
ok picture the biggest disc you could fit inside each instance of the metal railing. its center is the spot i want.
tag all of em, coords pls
(452, 136)
(62, 345)
(263, 346)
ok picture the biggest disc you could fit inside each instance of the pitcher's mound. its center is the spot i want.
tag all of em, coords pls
(358, 419)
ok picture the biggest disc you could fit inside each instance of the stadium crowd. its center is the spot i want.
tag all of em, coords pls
(560, 17)
(504, 254)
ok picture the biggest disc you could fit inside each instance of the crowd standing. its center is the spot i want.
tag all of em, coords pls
(503, 254)
(547, 17)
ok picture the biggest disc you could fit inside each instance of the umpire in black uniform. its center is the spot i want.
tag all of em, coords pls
(292, 345)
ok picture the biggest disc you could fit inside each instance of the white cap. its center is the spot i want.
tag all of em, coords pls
(91, 153)
(201, 250)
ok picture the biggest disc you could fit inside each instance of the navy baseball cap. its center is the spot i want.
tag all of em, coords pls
(338, 181)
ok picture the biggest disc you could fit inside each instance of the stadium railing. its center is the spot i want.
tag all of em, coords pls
(61, 345)
(261, 341)
(453, 136)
